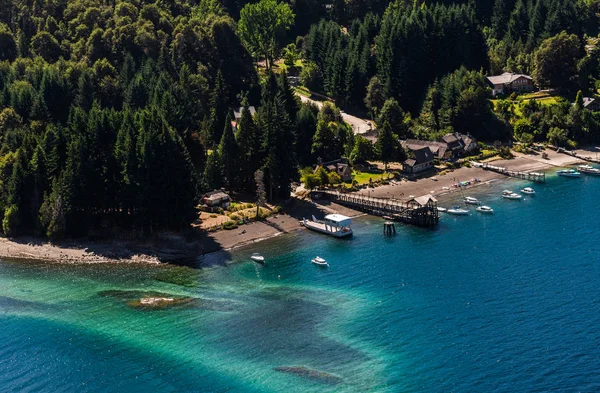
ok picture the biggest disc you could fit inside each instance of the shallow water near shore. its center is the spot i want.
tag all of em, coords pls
(507, 303)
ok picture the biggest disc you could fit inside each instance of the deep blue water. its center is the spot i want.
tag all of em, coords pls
(502, 303)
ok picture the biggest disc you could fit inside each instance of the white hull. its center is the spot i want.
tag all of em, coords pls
(322, 228)
(458, 212)
(591, 172)
(569, 173)
(485, 211)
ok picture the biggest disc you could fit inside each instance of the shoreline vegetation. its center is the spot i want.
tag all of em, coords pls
(174, 248)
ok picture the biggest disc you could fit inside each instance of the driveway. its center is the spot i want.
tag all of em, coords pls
(359, 126)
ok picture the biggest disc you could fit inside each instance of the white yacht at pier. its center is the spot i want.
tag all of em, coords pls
(336, 225)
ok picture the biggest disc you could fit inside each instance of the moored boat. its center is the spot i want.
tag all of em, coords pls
(485, 209)
(507, 194)
(256, 257)
(319, 261)
(458, 211)
(471, 201)
(588, 170)
(335, 225)
(528, 191)
(568, 173)
(442, 209)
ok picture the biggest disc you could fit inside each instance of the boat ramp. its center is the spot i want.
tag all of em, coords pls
(576, 155)
(421, 211)
(535, 177)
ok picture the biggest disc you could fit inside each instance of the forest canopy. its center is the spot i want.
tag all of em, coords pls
(118, 114)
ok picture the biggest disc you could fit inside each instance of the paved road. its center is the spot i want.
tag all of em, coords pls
(359, 126)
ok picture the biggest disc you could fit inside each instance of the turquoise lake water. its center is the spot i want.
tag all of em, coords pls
(502, 303)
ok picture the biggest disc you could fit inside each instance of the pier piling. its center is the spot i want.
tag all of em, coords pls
(389, 228)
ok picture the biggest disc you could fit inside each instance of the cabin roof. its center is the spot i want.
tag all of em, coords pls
(424, 200)
(339, 218)
(506, 78)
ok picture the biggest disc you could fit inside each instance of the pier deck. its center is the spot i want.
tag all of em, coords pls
(420, 211)
(535, 177)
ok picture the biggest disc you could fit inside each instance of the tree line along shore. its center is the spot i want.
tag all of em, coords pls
(119, 116)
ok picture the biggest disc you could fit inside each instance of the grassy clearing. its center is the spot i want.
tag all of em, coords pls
(363, 177)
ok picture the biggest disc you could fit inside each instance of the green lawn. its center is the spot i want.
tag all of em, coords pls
(363, 177)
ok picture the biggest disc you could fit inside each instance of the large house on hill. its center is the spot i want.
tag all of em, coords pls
(450, 145)
(439, 149)
(510, 82)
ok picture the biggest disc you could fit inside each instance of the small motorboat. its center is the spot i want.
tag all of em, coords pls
(485, 209)
(528, 191)
(442, 209)
(568, 173)
(588, 170)
(472, 201)
(256, 257)
(506, 194)
(458, 211)
(319, 261)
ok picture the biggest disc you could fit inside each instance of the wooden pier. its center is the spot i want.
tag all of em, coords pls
(535, 177)
(420, 211)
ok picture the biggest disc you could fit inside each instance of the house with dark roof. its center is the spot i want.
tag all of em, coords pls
(439, 149)
(459, 144)
(454, 143)
(419, 160)
(510, 82)
(340, 166)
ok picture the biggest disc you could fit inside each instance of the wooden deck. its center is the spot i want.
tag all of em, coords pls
(535, 177)
(416, 211)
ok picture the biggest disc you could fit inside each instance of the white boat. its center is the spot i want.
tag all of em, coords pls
(472, 201)
(442, 209)
(485, 209)
(568, 173)
(458, 211)
(528, 191)
(506, 194)
(256, 257)
(335, 225)
(588, 170)
(319, 261)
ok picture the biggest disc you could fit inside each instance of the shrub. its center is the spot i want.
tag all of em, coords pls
(505, 153)
(229, 225)
(234, 217)
(249, 205)
(213, 216)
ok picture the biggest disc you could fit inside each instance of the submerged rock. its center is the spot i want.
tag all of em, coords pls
(310, 373)
(149, 300)
(157, 303)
